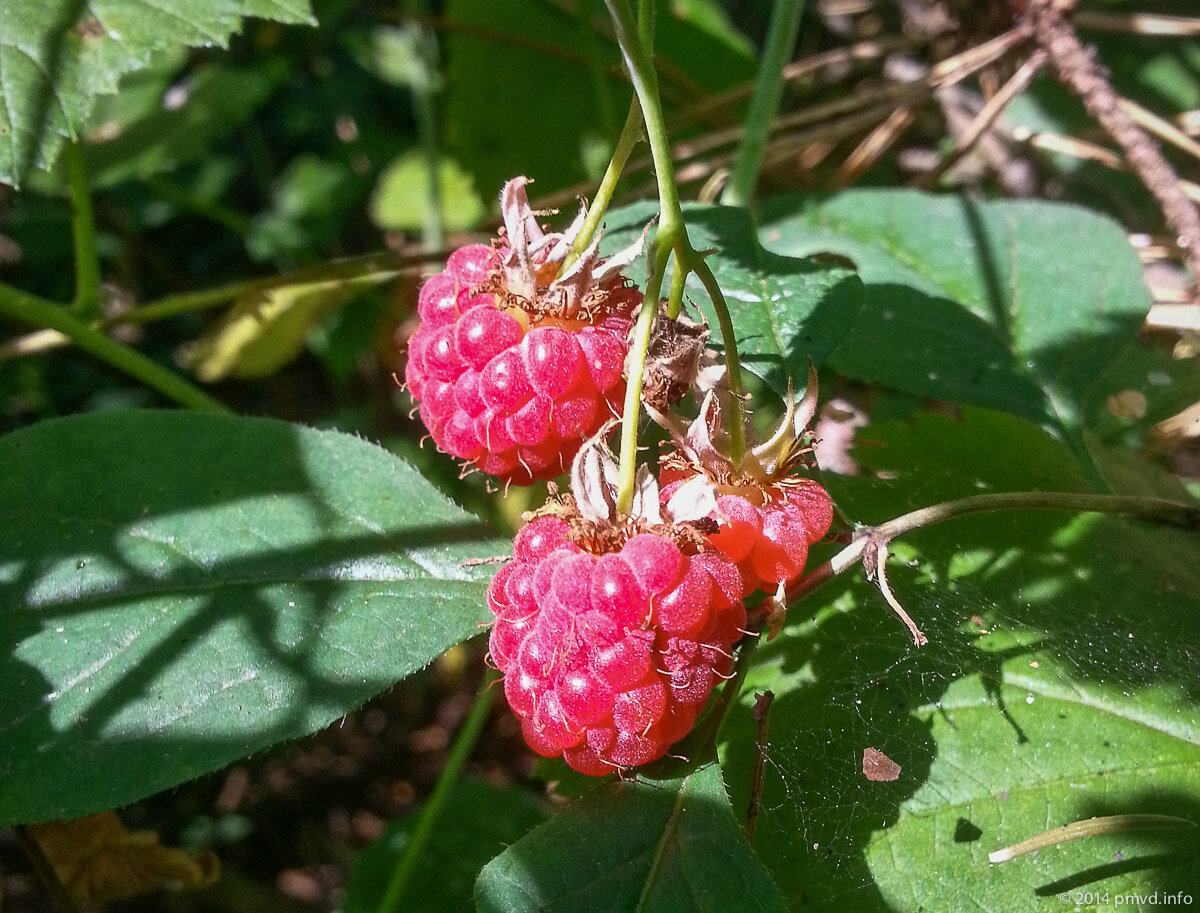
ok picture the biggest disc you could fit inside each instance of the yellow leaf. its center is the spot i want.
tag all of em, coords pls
(98, 860)
(263, 331)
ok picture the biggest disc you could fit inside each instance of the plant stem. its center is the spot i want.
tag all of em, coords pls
(733, 369)
(634, 368)
(424, 90)
(671, 237)
(83, 234)
(630, 134)
(36, 311)
(214, 211)
(464, 742)
(768, 89)
(645, 86)
(1160, 510)
(379, 266)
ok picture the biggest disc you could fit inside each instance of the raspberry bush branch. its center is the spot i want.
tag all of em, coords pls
(869, 544)
(30, 309)
(671, 238)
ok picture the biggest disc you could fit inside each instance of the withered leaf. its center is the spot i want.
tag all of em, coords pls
(98, 860)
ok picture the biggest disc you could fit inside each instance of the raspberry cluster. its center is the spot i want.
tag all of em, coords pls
(611, 629)
(608, 658)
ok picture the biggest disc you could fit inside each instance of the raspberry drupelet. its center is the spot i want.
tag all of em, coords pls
(514, 365)
(610, 645)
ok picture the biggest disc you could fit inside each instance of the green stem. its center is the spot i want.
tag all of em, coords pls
(1160, 510)
(425, 112)
(378, 266)
(627, 482)
(645, 86)
(83, 234)
(30, 309)
(464, 742)
(768, 89)
(222, 215)
(733, 368)
(630, 134)
(671, 237)
(675, 299)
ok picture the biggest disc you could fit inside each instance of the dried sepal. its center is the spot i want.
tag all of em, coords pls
(533, 262)
(595, 484)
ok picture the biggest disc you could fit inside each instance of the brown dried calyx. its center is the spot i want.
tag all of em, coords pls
(532, 260)
(679, 361)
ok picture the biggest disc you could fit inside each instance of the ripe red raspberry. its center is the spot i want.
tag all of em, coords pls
(513, 365)
(609, 654)
(766, 515)
(765, 528)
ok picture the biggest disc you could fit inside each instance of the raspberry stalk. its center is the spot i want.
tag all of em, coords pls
(671, 238)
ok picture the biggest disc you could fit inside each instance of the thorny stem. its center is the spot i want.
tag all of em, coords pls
(868, 541)
(768, 89)
(83, 234)
(464, 742)
(33, 310)
(671, 237)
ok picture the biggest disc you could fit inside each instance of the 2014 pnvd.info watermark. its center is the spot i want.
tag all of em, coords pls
(1151, 899)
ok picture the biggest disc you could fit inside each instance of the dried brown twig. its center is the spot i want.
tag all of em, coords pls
(1080, 71)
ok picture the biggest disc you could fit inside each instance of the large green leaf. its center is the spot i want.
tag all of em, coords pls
(57, 55)
(785, 309)
(178, 591)
(651, 846)
(1060, 682)
(1012, 305)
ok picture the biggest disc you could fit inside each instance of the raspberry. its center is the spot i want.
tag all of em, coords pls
(513, 367)
(609, 657)
(766, 516)
(764, 528)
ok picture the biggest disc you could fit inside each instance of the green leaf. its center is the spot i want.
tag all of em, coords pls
(785, 310)
(57, 55)
(979, 303)
(401, 197)
(179, 590)
(1060, 682)
(642, 845)
(478, 822)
